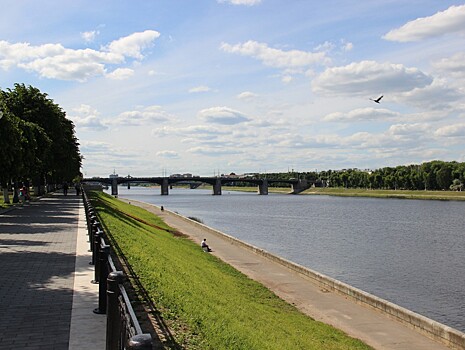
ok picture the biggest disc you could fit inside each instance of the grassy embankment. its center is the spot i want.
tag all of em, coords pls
(207, 303)
(363, 192)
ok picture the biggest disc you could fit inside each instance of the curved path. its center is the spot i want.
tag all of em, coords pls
(369, 325)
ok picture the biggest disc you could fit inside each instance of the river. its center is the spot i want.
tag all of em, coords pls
(409, 252)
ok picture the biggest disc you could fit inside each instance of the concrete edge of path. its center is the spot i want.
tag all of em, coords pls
(88, 330)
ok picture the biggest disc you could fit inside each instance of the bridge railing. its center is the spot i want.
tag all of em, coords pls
(123, 329)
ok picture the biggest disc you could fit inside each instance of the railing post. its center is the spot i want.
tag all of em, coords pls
(103, 275)
(140, 342)
(113, 313)
(96, 255)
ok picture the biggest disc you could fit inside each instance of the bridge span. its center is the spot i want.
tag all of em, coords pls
(297, 185)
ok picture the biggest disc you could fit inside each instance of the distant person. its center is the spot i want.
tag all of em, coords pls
(22, 194)
(205, 246)
(77, 186)
(161, 208)
(65, 188)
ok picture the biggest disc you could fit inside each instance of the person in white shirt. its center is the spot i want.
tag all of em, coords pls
(205, 246)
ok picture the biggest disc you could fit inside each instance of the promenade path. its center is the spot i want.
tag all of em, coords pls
(46, 298)
(369, 325)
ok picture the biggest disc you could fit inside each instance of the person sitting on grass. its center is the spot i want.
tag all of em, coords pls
(205, 246)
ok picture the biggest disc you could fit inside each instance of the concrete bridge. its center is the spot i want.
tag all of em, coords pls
(165, 183)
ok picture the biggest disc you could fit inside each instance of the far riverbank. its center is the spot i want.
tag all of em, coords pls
(362, 192)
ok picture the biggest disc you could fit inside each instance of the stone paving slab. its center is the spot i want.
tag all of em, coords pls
(37, 273)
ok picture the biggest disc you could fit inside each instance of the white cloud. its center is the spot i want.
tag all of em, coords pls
(453, 66)
(347, 46)
(86, 117)
(367, 78)
(436, 96)
(362, 114)
(409, 129)
(222, 115)
(241, 2)
(198, 131)
(213, 151)
(168, 154)
(247, 95)
(120, 74)
(275, 57)
(133, 44)
(448, 21)
(201, 88)
(54, 61)
(89, 36)
(143, 117)
(455, 130)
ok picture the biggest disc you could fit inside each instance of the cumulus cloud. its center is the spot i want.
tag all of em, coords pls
(132, 45)
(241, 2)
(54, 61)
(120, 74)
(168, 154)
(222, 115)
(143, 117)
(448, 21)
(88, 118)
(453, 66)
(198, 131)
(89, 36)
(455, 130)
(213, 151)
(362, 114)
(201, 88)
(368, 77)
(436, 96)
(247, 95)
(275, 57)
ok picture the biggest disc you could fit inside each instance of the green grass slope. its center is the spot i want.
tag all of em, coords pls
(209, 304)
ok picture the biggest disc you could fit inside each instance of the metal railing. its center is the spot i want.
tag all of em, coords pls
(123, 329)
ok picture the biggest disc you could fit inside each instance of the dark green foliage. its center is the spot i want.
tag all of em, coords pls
(434, 175)
(36, 138)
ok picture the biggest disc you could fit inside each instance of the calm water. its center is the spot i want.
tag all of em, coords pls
(409, 252)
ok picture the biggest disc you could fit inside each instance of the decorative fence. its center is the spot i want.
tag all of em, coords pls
(123, 329)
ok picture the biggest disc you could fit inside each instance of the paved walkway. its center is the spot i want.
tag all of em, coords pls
(46, 299)
(374, 328)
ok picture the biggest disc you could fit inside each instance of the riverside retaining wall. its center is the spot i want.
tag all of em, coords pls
(433, 329)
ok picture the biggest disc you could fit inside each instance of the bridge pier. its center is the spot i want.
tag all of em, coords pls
(217, 187)
(263, 187)
(164, 187)
(114, 186)
(300, 186)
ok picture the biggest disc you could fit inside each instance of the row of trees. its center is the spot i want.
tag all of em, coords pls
(37, 142)
(434, 175)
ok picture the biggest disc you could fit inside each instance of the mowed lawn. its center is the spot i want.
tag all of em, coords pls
(207, 303)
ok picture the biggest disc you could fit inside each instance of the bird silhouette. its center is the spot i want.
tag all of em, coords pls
(378, 99)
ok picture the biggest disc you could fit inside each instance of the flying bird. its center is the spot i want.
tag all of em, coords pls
(378, 99)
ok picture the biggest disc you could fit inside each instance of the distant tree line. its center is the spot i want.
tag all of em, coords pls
(38, 144)
(434, 175)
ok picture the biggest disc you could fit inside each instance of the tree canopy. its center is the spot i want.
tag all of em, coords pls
(434, 175)
(37, 141)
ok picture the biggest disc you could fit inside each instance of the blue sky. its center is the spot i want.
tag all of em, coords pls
(207, 86)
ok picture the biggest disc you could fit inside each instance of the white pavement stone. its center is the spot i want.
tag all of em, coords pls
(88, 330)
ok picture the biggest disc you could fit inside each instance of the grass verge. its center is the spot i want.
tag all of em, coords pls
(207, 303)
(401, 194)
